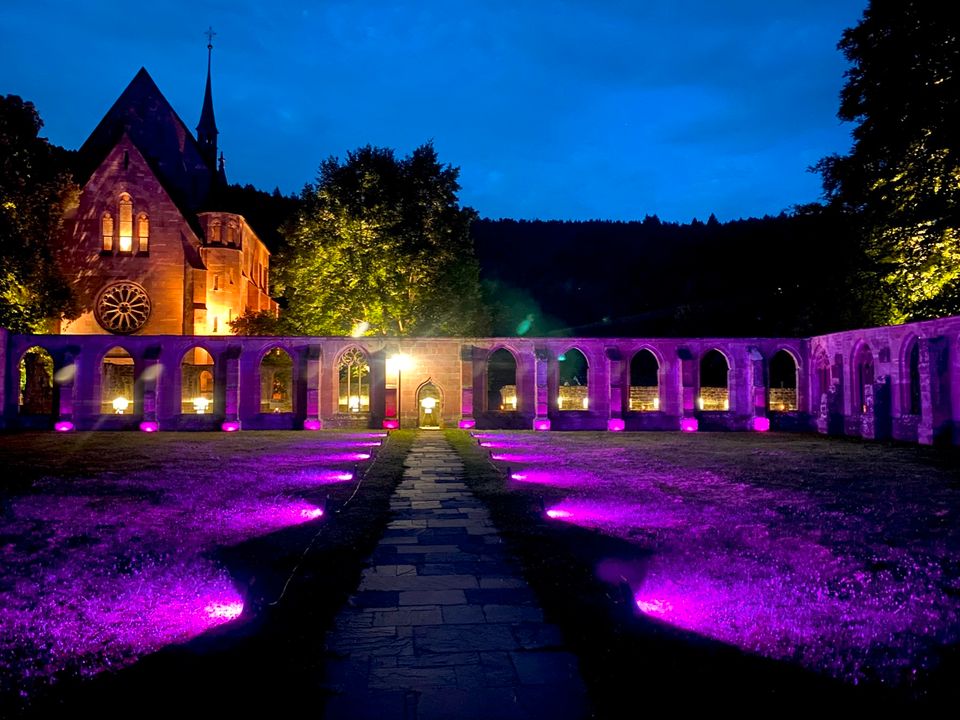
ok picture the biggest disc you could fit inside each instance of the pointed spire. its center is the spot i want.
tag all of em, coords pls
(207, 128)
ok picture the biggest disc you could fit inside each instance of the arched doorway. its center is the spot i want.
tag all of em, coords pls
(197, 382)
(714, 378)
(573, 392)
(862, 378)
(116, 382)
(36, 383)
(783, 382)
(501, 382)
(276, 382)
(644, 382)
(429, 406)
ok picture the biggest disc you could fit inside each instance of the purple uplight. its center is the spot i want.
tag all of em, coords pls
(63, 426)
(311, 513)
(557, 478)
(230, 426)
(761, 424)
(522, 458)
(391, 424)
(653, 606)
(149, 426)
(466, 424)
(689, 424)
(224, 611)
(312, 425)
(558, 514)
(341, 457)
(615, 425)
(542, 425)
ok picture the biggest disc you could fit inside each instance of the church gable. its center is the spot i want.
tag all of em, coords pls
(127, 229)
(145, 116)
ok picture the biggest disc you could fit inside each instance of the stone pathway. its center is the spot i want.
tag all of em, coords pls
(443, 625)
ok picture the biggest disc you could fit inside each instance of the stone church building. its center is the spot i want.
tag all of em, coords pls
(147, 247)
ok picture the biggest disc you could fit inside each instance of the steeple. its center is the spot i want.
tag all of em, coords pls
(207, 128)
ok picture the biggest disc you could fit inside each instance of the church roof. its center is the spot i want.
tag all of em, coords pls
(153, 126)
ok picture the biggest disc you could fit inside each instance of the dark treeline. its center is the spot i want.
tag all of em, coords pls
(773, 276)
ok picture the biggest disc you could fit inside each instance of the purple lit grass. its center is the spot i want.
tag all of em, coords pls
(113, 557)
(822, 554)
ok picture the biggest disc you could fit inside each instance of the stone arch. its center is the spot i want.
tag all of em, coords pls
(429, 405)
(197, 381)
(35, 396)
(501, 374)
(910, 376)
(117, 377)
(275, 371)
(353, 380)
(784, 375)
(644, 370)
(573, 378)
(863, 371)
(714, 392)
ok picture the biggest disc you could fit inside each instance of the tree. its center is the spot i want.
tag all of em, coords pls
(35, 188)
(383, 245)
(901, 179)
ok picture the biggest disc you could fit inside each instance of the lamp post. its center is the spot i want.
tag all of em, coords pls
(399, 361)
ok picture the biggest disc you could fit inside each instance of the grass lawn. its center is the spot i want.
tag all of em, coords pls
(763, 569)
(141, 570)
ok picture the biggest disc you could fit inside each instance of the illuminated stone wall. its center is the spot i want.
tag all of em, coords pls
(458, 367)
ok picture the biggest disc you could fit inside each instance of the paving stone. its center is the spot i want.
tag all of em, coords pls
(439, 659)
(406, 677)
(454, 638)
(432, 597)
(501, 583)
(408, 616)
(471, 704)
(538, 668)
(382, 705)
(463, 614)
(536, 635)
(512, 613)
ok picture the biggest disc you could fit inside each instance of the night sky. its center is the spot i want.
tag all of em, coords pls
(559, 110)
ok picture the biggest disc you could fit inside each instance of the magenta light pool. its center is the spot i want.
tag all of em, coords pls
(467, 424)
(559, 514)
(312, 425)
(224, 611)
(615, 425)
(541, 425)
(63, 426)
(689, 425)
(760, 424)
(391, 424)
(230, 426)
(149, 426)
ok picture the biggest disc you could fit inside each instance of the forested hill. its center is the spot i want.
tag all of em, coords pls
(784, 275)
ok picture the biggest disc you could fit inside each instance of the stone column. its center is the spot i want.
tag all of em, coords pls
(311, 379)
(756, 377)
(614, 362)
(466, 387)
(688, 371)
(935, 415)
(231, 387)
(150, 374)
(65, 378)
(541, 420)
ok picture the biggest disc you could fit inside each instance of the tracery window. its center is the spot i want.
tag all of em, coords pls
(106, 231)
(354, 382)
(143, 233)
(126, 223)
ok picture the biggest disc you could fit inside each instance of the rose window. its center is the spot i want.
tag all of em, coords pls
(123, 308)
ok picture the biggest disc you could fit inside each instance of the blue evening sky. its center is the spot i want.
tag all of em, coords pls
(552, 110)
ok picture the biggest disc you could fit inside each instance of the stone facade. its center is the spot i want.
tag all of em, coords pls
(143, 224)
(899, 382)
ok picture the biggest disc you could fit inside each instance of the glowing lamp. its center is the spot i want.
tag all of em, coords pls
(656, 403)
(688, 424)
(224, 611)
(391, 424)
(120, 404)
(700, 403)
(541, 425)
(466, 424)
(615, 425)
(312, 425)
(518, 476)
(230, 426)
(311, 513)
(761, 424)
(200, 405)
(63, 426)
(556, 514)
(360, 329)
(149, 426)
(399, 362)
(586, 403)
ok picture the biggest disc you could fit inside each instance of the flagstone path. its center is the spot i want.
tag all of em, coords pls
(443, 625)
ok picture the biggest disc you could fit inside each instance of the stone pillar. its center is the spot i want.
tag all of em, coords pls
(688, 381)
(541, 420)
(65, 378)
(378, 387)
(614, 363)
(231, 388)
(466, 387)
(935, 411)
(150, 374)
(311, 379)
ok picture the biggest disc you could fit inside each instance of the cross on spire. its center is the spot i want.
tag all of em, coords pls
(210, 35)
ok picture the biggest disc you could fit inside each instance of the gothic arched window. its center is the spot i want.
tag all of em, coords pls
(126, 223)
(106, 231)
(354, 372)
(143, 233)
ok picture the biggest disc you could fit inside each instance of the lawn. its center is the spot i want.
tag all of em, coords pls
(117, 545)
(833, 558)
